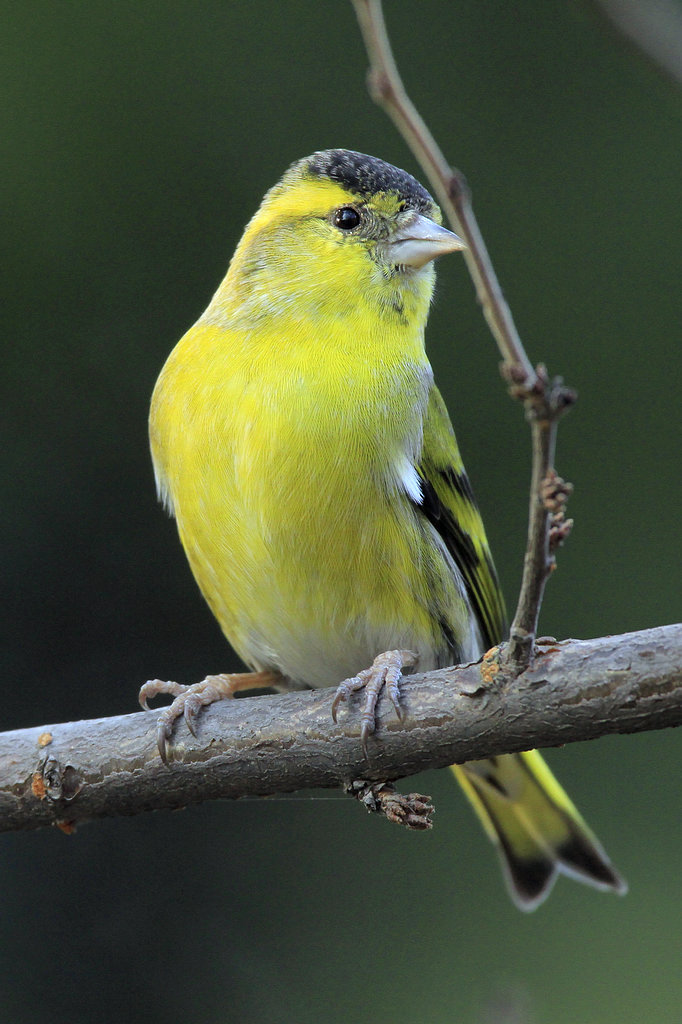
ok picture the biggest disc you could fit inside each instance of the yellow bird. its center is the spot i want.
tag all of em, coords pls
(308, 458)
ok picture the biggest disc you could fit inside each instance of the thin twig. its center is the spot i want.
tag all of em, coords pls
(547, 525)
(576, 690)
(545, 400)
(449, 184)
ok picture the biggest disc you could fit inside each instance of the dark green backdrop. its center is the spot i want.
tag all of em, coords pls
(138, 139)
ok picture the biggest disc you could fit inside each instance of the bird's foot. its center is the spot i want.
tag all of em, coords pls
(409, 809)
(386, 671)
(190, 699)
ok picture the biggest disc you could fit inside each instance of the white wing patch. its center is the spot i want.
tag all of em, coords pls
(409, 481)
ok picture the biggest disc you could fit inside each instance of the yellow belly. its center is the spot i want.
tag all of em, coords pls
(290, 505)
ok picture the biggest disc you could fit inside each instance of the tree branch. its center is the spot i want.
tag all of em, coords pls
(576, 690)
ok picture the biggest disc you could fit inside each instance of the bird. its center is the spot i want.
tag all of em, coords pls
(310, 463)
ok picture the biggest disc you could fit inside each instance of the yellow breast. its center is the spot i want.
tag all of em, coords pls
(290, 479)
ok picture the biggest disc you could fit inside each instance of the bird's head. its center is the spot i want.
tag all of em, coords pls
(341, 234)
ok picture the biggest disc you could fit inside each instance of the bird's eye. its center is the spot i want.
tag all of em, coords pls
(346, 218)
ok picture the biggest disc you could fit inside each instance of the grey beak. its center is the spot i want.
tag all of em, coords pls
(420, 241)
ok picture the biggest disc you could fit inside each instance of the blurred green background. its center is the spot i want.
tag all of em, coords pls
(138, 139)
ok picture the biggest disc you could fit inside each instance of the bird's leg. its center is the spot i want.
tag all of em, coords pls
(386, 671)
(190, 699)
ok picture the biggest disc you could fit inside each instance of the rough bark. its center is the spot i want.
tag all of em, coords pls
(574, 690)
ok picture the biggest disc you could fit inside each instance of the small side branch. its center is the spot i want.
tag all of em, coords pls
(548, 527)
(256, 746)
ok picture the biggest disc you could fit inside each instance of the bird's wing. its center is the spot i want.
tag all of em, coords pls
(449, 505)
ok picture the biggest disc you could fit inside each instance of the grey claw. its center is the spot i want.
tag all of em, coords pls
(190, 718)
(162, 743)
(365, 732)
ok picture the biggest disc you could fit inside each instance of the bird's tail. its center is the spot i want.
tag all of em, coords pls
(535, 827)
